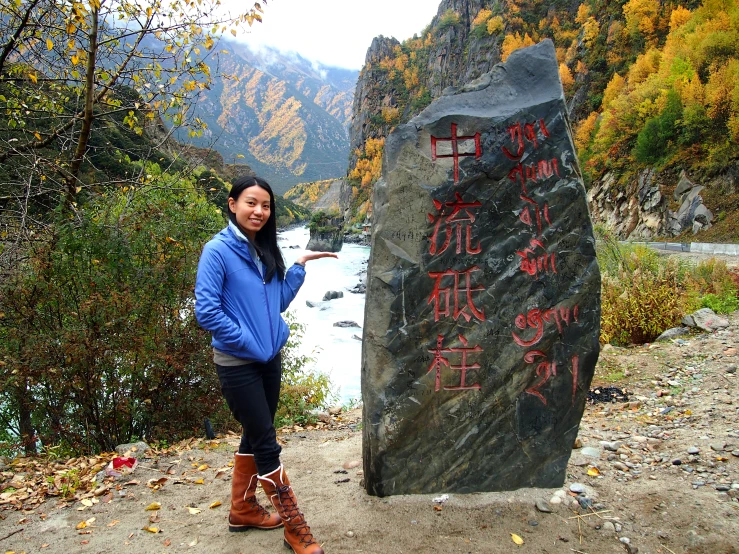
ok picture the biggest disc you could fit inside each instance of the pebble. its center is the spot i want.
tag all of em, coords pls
(677, 462)
(591, 452)
(533, 523)
(625, 540)
(611, 446)
(620, 466)
(694, 450)
(609, 527)
(577, 488)
(543, 506)
(555, 500)
(349, 534)
(718, 446)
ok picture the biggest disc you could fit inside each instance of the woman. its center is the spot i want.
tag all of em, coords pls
(242, 288)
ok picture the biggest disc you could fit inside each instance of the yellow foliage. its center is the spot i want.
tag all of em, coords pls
(590, 31)
(565, 75)
(580, 68)
(615, 30)
(390, 115)
(679, 17)
(482, 17)
(495, 25)
(583, 14)
(615, 86)
(644, 66)
(514, 42)
(722, 92)
(585, 130)
(641, 17)
(374, 147)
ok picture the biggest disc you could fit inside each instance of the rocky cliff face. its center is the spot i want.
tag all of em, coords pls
(452, 56)
(642, 212)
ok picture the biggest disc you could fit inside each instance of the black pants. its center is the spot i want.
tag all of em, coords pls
(252, 392)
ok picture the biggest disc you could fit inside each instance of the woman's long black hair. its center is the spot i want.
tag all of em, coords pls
(266, 237)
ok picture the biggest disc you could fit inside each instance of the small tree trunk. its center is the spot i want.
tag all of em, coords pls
(28, 435)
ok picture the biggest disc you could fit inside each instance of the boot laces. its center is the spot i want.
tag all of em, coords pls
(295, 517)
(257, 506)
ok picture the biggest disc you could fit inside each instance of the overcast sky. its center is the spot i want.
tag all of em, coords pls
(336, 32)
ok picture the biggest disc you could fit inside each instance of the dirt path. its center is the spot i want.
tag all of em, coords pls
(650, 492)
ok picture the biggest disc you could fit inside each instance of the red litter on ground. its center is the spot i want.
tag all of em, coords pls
(124, 462)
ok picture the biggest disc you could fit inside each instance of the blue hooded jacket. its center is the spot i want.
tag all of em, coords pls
(241, 311)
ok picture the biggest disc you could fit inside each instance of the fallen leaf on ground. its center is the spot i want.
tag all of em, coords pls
(215, 504)
(114, 523)
(193, 511)
(193, 543)
(199, 482)
(154, 506)
(203, 467)
(81, 525)
(150, 529)
(593, 472)
(167, 542)
(518, 540)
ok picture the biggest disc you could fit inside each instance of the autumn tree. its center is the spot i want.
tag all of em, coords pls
(71, 70)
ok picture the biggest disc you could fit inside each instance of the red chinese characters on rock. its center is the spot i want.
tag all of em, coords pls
(454, 141)
(457, 218)
(439, 361)
(440, 296)
(453, 293)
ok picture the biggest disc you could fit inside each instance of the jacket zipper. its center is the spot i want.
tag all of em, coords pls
(266, 299)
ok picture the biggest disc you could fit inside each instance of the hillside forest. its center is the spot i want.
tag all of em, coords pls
(649, 84)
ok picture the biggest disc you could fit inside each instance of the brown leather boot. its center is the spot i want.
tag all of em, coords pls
(297, 533)
(246, 513)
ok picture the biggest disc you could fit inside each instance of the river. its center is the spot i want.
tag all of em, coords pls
(334, 349)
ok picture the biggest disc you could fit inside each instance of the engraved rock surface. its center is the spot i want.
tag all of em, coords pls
(482, 316)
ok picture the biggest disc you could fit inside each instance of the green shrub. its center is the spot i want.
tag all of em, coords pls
(98, 337)
(303, 392)
(449, 18)
(721, 304)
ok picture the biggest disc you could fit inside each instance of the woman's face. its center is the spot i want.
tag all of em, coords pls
(252, 209)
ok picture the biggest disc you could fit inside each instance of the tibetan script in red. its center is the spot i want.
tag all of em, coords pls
(518, 132)
(545, 370)
(535, 263)
(536, 318)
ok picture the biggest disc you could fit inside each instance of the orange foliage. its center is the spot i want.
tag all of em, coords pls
(565, 75)
(585, 131)
(514, 42)
(482, 17)
(615, 86)
(679, 17)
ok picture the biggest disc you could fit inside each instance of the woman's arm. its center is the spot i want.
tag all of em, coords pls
(295, 276)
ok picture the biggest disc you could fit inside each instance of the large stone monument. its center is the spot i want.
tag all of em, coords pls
(483, 294)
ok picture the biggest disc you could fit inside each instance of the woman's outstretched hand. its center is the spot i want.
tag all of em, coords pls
(308, 256)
